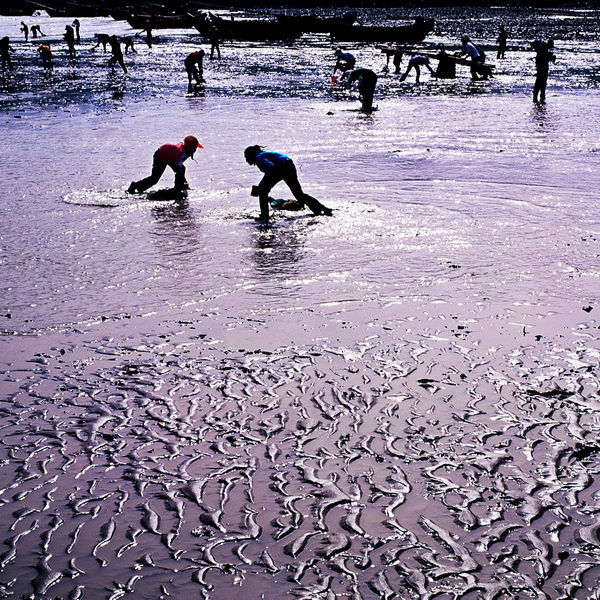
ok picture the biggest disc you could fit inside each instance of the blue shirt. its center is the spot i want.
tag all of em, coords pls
(267, 161)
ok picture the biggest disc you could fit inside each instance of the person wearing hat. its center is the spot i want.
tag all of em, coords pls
(278, 167)
(45, 53)
(169, 155)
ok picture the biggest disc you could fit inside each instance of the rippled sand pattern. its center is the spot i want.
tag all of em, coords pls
(407, 469)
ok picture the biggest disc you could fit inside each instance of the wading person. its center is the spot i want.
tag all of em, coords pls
(25, 30)
(543, 57)
(278, 167)
(117, 54)
(5, 50)
(416, 62)
(148, 37)
(70, 39)
(45, 53)
(77, 25)
(366, 80)
(194, 66)
(101, 38)
(502, 37)
(214, 38)
(169, 155)
(35, 31)
(128, 45)
(476, 55)
(344, 61)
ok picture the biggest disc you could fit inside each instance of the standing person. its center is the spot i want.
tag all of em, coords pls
(5, 50)
(77, 25)
(194, 67)
(148, 31)
(70, 39)
(543, 57)
(446, 68)
(35, 31)
(366, 81)
(102, 38)
(214, 38)
(128, 44)
(169, 155)
(502, 37)
(476, 55)
(45, 53)
(117, 54)
(278, 167)
(344, 61)
(416, 62)
(25, 30)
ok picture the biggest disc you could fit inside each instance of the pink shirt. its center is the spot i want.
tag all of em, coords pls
(173, 155)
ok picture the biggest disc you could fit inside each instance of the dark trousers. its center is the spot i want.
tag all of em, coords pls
(285, 172)
(158, 168)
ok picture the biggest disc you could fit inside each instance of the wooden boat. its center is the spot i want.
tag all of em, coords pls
(314, 24)
(141, 21)
(403, 34)
(260, 30)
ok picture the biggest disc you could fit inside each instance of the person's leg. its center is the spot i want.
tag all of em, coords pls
(122, 63)
(291, 180)
(264, 187)
(418, 73)
(408, 70)
(158, 168)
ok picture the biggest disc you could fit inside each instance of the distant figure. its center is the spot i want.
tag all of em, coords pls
(446, 68)
(25, 30)
(77, 25)
(502, 37)
(416, 62)
(102, 38)
(214, 39)
(45, 53)
(117, 54)
(543, 57)
(148, 31)
(278, 167)
(5, 50)
(476, 55)
(168, 155)
(194, 67)
(128, 44)
(366, 81)
(70, 39)
(345, 61)
(35, 31)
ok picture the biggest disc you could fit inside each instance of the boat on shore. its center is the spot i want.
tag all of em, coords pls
(141, 21)
(257, 30)
(315, 24)
(402, 34)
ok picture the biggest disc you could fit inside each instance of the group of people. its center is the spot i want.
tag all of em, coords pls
(275, 166)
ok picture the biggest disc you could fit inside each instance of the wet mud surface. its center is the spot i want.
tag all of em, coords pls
(435, 465)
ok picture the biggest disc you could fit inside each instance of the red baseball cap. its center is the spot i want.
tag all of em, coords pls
(192, 142)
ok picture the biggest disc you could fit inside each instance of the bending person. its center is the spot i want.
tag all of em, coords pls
(415, 62)
(366, 81)
(278, 167)
(169, 155)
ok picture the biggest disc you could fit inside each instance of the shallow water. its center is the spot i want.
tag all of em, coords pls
(400, 401)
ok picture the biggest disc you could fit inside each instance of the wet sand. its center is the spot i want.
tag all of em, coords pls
(400, 401)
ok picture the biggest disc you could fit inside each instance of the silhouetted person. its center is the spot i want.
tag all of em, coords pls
(416, 62)
(128, 44)
(543, 57)
(77, 25)
(194, 67)
(35, 31)
(502, 37)
(278, 167)
(148, 31)
(366, 81)
(45, 53)
(344, 61)
(70, 39)
(168, 155)
(476, 55)
(5, 50)
(117, 54)
(214, 37)
(102, 38)
(25, 30)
